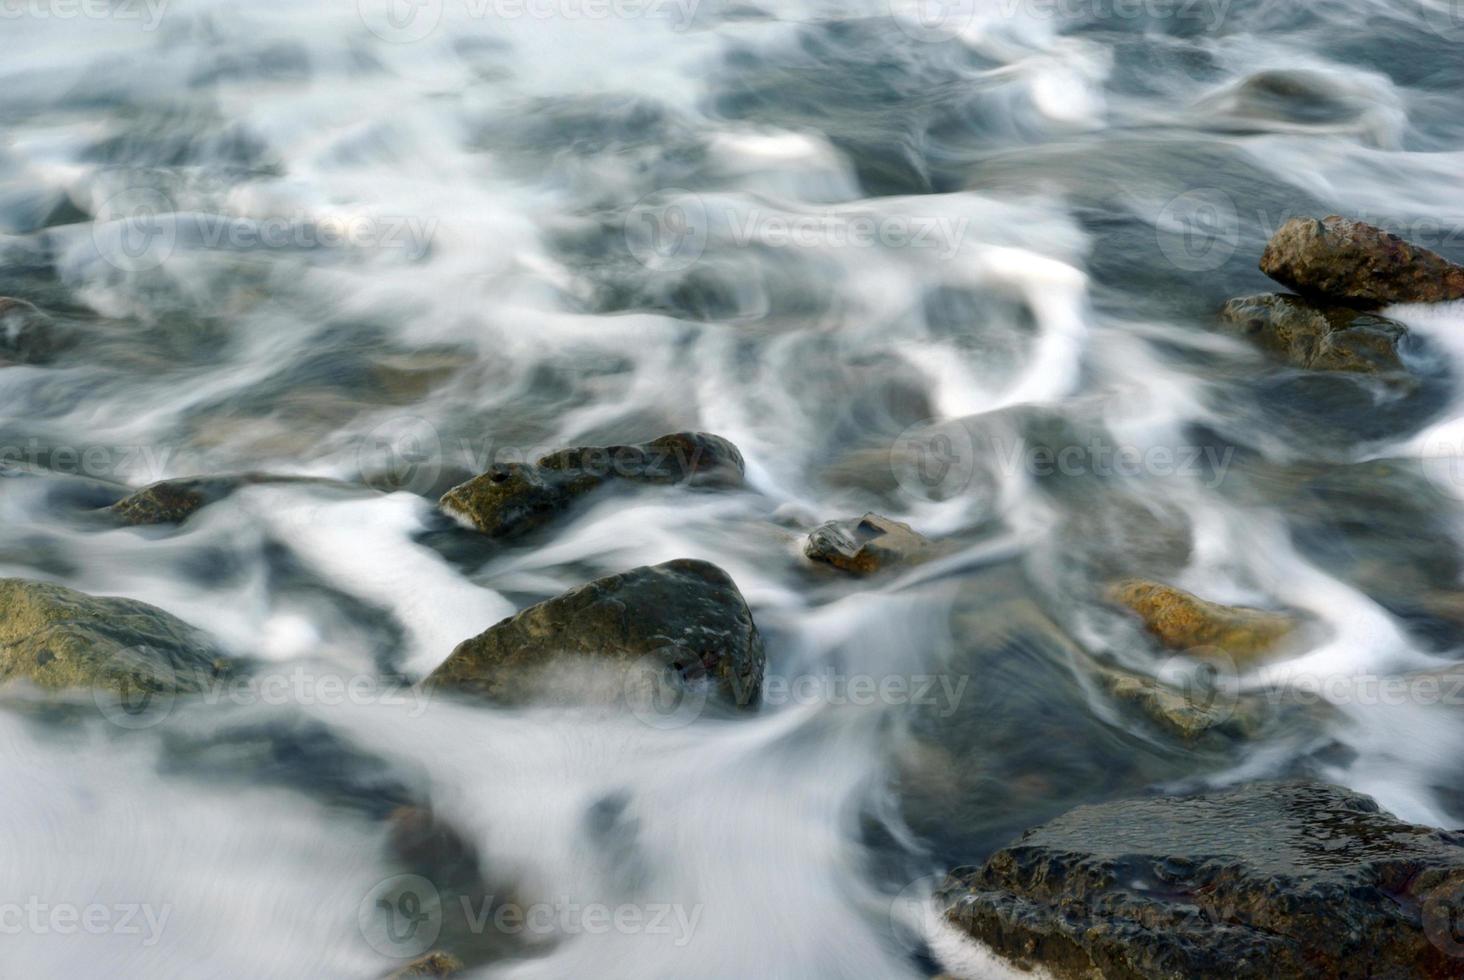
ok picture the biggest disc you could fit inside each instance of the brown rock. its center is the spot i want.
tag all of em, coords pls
(1181, 621)
(867, 545)
(1354, 262)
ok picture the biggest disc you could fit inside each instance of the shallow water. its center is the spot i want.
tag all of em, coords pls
(888, 251)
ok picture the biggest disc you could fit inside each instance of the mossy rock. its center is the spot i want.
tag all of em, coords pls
(58, 638)
(1317, 337)
(870, 544)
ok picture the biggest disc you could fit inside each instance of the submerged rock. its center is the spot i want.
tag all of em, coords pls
(1182, 621)
(684, 616)
(1317, 337)
(26, 334)
(437, 964)
(1291, 879)
(174, 501)
(1355, 262)
(514, 498)
(59, 638)
(868, 545)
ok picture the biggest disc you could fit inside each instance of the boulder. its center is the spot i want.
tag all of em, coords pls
(1289, 879)
(1353, 262)
(514, 498)
(1317, 337)
(26, 334)
(867, 545)
(684, 616)
(59, 638)
(1182, 621)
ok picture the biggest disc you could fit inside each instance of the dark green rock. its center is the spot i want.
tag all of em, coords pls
(1293, 879)
(174, 501)
(685, 616)
(515, 498)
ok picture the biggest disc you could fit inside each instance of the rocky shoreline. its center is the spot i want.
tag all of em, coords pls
(1266, 879)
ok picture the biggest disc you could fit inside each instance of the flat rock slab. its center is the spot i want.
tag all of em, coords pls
(684, 616)
(1292, 879)
(1354, 262)
(512, 499)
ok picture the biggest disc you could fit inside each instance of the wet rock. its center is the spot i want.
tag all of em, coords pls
(1317, 337)
(58, 638)
(684, 617)
(868, 545)
(1190, 712)
(514, 498)
(26, 334)
(1354, 262)
(436, 964)
(173, 501)
(1292, 879)
(1182, 621)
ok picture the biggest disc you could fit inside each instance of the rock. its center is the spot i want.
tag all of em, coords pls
(1358, 263)
(1317, 337)
(1182, 621)
(59, 638)
(174, 501)
(867, 545)
(1190, 714)
(437, 964)
(26, 334)
(514, 498)
(1291, 879)
(685, 616)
